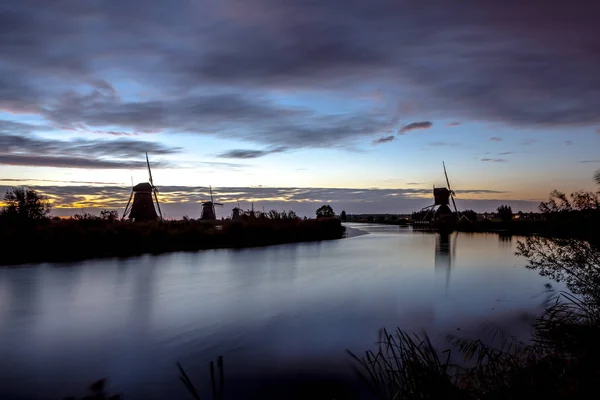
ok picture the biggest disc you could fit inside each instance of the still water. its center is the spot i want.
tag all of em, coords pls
(266, 310)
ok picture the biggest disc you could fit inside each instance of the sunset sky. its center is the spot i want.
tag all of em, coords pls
(293, 103)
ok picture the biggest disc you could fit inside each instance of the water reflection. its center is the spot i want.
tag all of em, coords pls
(444, 253)
(505, 239)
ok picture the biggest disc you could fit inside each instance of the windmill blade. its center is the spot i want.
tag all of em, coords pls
(127, 206)
(450, 189)
(149, 170)
(454, 204)
(211, 195)
(157, 203)
(218, 204)
(445, 173)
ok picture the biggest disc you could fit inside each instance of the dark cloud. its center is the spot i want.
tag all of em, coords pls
(415, 125)
(383, 140)
(239, 153)
(19, 147)
(522, 63)
(568, 142)
(589, 161)
(71, 162)
(121, 148)
(24, 180)
(505, 153)
(496, 139)
(453, 124)
(497, 160)
(19, 128)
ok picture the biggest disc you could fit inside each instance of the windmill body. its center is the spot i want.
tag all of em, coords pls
(208, 211)
(142, 208)
(208, 208)
(141, 204)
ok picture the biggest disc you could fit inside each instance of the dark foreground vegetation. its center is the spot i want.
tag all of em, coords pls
(29, 236)
(68, 240)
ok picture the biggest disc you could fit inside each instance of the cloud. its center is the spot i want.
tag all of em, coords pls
(24, 180)
(497, 160)
(243, 154)
(505, 153)
(589, 161)
(413, 183)
(415, 125)
(384, 139)
(72, 162)
(496, 139)
(568, 142)
(18, 146)
(217, 74)
(453, 124)
(76, 153)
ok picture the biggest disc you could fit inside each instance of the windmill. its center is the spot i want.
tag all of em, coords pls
(143, 195)
(208, 208)
(442, 197)
(237, 212)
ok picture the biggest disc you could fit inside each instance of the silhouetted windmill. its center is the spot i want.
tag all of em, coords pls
(142, 206)
(442, 197)
(208, 208)
(237, 212)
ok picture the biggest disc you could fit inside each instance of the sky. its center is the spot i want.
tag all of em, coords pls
(291, 104)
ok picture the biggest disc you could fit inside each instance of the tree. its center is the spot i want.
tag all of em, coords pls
(25, 204)
(343, 216)
(109, 215)
(325, 212)
(560, 203)
(597, 177)
(505, 213)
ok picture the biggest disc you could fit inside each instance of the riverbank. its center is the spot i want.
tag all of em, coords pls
(578, 227)
(72, 240)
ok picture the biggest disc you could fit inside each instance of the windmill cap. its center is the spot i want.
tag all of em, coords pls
(142, 187)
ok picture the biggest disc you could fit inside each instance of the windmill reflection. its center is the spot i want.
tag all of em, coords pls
(445, 248)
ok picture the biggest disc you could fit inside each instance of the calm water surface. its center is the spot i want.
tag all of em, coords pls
(282, 308)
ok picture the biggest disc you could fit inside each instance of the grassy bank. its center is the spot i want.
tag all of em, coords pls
(71, 240)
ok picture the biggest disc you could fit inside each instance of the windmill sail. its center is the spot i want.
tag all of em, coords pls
(149, 170)
(449, 188)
